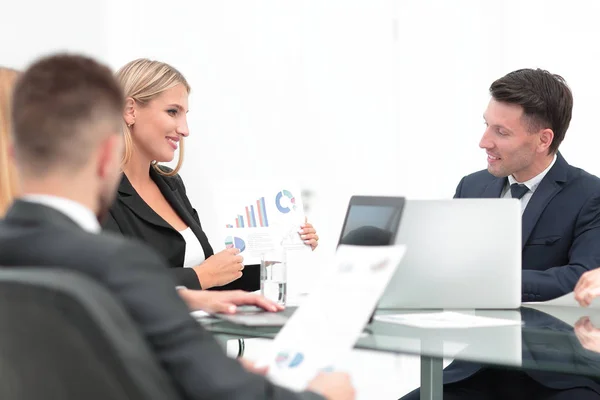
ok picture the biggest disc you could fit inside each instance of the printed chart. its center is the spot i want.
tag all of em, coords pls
(259, 218)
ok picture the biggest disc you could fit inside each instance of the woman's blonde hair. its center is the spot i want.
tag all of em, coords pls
(8, 184)
(144, 80)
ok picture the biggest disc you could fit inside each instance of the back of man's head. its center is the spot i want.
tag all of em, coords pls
(546, 99)
(64, 106)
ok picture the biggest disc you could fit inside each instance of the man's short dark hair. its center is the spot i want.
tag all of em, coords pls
(546, 99)
(63, 105)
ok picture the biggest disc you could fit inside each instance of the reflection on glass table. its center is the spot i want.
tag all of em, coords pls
(563, 340)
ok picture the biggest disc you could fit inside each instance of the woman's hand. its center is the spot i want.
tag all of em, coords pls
(309, 234)
(220, 269)
(225, 301)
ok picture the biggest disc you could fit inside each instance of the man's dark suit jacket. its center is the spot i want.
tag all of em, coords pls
(561, 240)
(132, 217)
(38, 236)
(561, 227)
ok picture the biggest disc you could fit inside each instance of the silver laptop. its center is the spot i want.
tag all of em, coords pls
(461, 253)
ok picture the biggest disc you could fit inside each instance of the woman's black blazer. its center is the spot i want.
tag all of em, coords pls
(132, 217)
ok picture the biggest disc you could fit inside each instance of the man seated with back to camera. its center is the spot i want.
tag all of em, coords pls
(68, 147)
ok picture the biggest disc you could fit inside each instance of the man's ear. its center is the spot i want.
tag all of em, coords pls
(546, 139)
(109, 155)
(129, 112)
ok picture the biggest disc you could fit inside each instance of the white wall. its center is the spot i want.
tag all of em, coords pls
(282, 88)
(447, 55)
(30, 29)
(343, 96)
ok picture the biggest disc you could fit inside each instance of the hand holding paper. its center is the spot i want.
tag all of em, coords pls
(220, 269)
(257, 217)
(309, 234)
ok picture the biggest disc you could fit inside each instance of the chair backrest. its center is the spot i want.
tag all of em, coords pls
(64, 336)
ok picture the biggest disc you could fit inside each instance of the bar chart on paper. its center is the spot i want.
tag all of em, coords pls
(258, 217)
(255, 216)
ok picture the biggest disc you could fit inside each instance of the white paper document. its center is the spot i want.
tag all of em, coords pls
(331, 319)
(256, 217)
(446, 319)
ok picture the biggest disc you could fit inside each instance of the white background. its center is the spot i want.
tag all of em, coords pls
(352, 96)
(340, 96)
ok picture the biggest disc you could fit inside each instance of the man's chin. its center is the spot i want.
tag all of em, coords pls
(498, 173)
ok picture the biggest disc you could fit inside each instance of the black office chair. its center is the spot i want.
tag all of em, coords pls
(64, 337)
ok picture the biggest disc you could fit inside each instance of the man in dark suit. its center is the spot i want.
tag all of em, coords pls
(526, 120)
(68, 148)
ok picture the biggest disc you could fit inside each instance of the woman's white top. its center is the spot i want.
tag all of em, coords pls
(194, 253)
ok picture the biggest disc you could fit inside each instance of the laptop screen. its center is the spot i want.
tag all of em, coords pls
(372, 221)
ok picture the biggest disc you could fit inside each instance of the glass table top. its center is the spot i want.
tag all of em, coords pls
(549, 338)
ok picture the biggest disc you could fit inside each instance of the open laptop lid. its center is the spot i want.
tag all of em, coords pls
(466, 251)
(372, 220)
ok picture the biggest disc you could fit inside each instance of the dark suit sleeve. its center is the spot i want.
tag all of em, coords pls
(584, 255)
(458, 193)
(198, 365)
(186, 277)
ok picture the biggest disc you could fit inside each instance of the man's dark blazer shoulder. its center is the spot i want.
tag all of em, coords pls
(475, 184)
(52, 245)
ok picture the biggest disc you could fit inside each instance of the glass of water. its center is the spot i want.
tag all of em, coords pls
(273, 276)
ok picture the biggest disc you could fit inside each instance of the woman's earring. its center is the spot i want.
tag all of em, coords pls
(130, 125)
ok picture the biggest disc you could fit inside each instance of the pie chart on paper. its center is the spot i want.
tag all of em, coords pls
(234, 241)
(285, 201)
